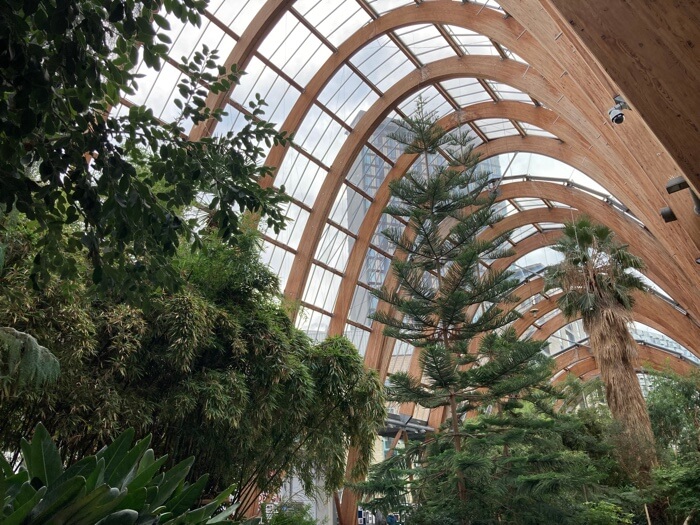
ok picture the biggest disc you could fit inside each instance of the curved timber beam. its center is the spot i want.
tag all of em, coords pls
(635, 144)
(468, 16)
(507, 71)
(649, 309)
(571, 361)
(486, 21)
(540, 117)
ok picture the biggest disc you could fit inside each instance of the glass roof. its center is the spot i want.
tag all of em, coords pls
(296, 57)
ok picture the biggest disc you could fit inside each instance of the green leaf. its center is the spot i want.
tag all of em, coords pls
(123, 471)
(57, 498)
(85, 467)
(41, 457)
(19, 514)
(224, 515)
(114, 453)
(145, 476)
(121, 517)
(172, 479)
(186, 498)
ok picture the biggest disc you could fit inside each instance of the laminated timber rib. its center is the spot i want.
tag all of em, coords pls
(570, 59)
(579, 362)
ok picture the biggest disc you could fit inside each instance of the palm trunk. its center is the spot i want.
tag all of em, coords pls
(616, 355)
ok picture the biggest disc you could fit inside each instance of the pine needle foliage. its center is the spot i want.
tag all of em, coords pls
(446, 298)
(436, 262)
(519, 464)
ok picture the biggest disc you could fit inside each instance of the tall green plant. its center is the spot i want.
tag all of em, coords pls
(438, 256)
(217, 370)
(522, 464)
(445, 298)
(598, 286)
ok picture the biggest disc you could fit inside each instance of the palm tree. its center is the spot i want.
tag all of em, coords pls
(597, 286)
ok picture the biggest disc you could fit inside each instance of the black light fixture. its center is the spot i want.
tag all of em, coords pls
(678, 184)
(667, 214)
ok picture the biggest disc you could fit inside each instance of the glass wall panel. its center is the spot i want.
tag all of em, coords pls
(336, 19)
(349, 209)
(471, 43)
(302, 178)
(294, 49)
(382, 62)
(314, 323)
(363, 305)
(495, 128)
(425, 42)
(334, 248)
(466, 91)
(383, 6)
(320, 135)
(374, 269)
(345, 93)
(236, 14)
(321, 288)
(358, 336)
(279, 260)
(296, 222)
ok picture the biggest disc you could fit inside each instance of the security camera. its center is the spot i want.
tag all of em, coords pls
(616, 116)
(615, 113)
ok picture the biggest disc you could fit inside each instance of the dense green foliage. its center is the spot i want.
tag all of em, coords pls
(290, 513)
(120, 485)
(217, 370)
(68, 164)
(514, 449)
(523, 463)
(547, 458)
(674, 408)
(507, 465)
(437, 257)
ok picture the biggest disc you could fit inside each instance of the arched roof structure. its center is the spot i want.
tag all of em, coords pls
(528, 81)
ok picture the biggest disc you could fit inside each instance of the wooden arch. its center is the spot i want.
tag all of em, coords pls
(525, 112)
(506, 71)
(380, 348)
(515, 36)
(580, 362)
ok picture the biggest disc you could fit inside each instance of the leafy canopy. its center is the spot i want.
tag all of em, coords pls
(217, 362)
(114, 186)
(594, 274)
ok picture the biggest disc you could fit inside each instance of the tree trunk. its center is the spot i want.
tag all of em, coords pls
(461, 485)
(616, 355)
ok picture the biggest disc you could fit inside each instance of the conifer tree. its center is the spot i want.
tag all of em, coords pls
(437, 260)
(446, 296)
